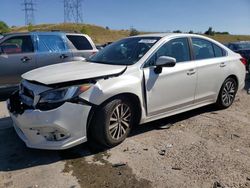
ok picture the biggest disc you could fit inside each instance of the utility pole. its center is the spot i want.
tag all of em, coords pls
(73, 11)
(29, 12)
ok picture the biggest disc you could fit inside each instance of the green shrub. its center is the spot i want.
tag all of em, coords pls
(4, 28)
(133, 32)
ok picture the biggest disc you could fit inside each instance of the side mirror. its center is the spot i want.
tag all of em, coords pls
(164, 61)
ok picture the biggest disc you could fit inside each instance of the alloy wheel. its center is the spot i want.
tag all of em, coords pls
(119, 121)
(228, 93)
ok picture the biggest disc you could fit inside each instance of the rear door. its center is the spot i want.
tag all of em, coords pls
(211, 68)
(16, 58)
(82, 45)
(51, 48)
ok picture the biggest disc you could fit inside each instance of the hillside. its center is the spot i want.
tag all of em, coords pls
(231, 38)
(102, 35)
(98, 34)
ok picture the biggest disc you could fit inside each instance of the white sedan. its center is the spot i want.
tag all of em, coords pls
(132, 81)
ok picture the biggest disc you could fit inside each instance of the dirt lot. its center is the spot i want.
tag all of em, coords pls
(201, 148)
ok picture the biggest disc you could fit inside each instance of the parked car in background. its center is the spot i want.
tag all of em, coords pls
(243, 48)
(22, 52)
(133, 81)
(101, 46)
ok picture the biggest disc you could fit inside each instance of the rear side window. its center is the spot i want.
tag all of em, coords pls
(80, 42)
(50, 43)
(203, 49)
(18, 44)
(218, 52)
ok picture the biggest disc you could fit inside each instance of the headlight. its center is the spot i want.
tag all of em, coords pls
(63, 94)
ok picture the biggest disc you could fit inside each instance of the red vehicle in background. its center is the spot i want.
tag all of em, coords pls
(11, 48)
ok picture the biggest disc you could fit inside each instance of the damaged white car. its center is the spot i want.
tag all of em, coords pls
(132, 81)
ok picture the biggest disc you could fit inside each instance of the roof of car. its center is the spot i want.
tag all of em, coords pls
(161, 35)
(43, 32)
(173, 35)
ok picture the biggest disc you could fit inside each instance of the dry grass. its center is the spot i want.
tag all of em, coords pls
(97, 33)
(230, 38)
(102, 35)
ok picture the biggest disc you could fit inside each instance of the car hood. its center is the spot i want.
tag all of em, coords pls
(72, 71)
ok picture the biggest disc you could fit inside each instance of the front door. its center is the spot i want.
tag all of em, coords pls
(174, 87)
(17, 57)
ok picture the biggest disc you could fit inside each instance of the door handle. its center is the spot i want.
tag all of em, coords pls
(25, 59)
(223, 64)
(63, 56)
(191, 72)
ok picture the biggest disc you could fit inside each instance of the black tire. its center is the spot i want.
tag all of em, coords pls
(103, 123)
(227, 93)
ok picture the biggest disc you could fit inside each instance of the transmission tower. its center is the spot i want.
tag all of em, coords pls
(73, 11)
(29, 12)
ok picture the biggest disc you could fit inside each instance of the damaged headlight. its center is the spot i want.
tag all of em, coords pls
(63, 94)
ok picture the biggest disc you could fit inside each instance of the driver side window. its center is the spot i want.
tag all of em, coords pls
(17, 45)
(176, 48)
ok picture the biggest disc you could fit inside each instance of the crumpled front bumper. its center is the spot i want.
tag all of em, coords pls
(60, 128)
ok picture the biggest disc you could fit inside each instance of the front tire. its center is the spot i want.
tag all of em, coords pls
(112, 122)
(227, 93)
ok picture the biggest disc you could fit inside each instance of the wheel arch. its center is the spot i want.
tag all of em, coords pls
(229, 76)
(131, 96)
(234, 77)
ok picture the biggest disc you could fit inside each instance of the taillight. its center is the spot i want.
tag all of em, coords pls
(243, 60)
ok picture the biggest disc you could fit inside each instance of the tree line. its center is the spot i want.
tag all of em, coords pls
(4, 28)
(210, 32)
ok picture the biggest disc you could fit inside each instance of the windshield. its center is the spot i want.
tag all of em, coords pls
(125, 52)
(243, 46)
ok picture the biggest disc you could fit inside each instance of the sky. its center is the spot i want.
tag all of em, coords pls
(144, 15)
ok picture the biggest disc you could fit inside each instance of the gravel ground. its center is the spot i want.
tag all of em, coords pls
(201, 148)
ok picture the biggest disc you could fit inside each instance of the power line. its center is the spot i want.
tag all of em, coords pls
(29, 12)
(73, 11)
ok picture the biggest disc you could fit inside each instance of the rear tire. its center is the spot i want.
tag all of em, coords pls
(227, 93)
(112, 122)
